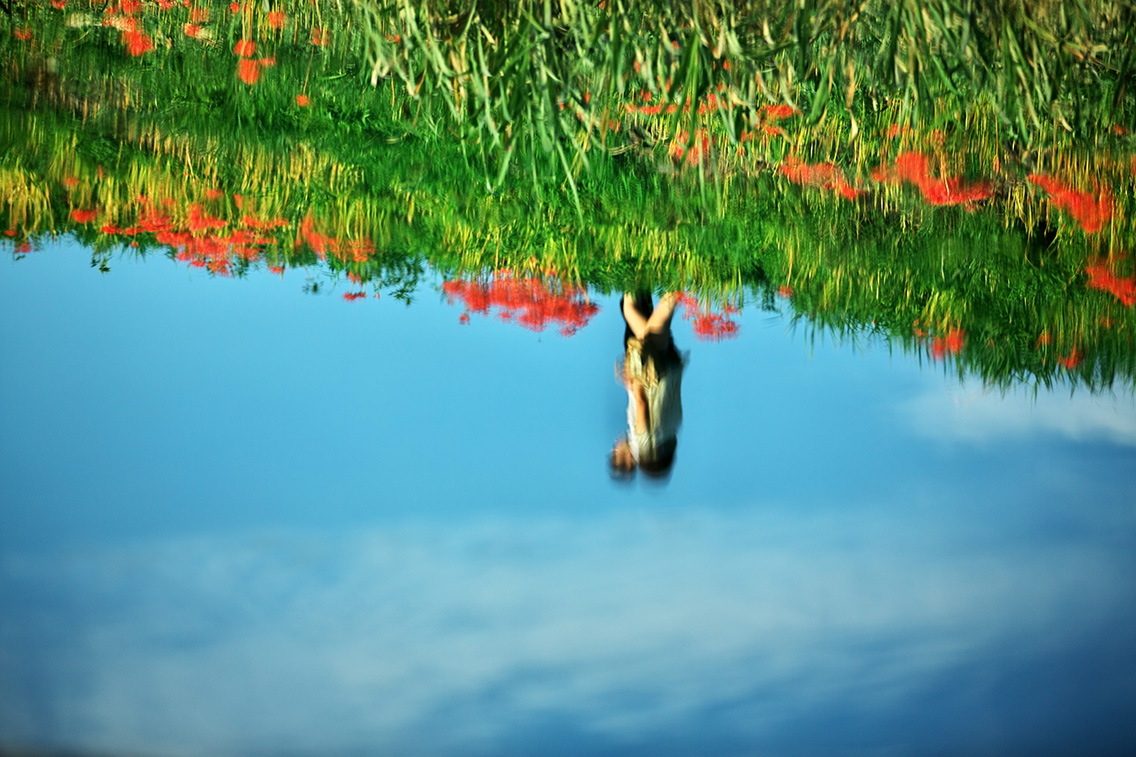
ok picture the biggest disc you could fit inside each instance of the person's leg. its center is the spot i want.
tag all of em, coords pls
(660, 320)
(635, 320)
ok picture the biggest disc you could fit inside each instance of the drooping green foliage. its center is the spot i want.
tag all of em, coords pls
(545, 75)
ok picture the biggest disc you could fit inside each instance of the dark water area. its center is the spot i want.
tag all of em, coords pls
(242, 519)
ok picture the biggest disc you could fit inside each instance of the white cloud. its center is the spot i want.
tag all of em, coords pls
(978, 415)
(447, 638)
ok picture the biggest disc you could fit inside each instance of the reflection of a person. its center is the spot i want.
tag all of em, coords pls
(651, 371)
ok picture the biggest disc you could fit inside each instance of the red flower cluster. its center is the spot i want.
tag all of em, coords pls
(198, 241)
(700, 147)
(202, 221)
(137, 43)
(530, 302)
(1073, 359)
(708, 326)
(913, 167)
(1090, 211)
(245, 48)
(777, 112)
(249, 71)
(822, 175)
(949, 343)
(1100, 277)
(358, 250)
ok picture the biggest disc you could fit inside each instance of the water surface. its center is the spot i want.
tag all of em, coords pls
(241, 519)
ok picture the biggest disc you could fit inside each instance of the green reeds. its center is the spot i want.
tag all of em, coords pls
(550, 77)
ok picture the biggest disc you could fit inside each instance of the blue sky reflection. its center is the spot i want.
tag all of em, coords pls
(237, 519)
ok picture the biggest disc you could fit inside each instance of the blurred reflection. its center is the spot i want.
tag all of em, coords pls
(651, 371)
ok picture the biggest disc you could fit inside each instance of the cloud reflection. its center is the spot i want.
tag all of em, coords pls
(978, 415)
(625, 632)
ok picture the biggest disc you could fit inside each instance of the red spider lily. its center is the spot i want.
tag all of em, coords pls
(277, 19)
(199, 15)
(531, 302)
(165, 4)
(192, 31)
(785, 291)
(10, 232)
(1073, 359)
(267, 62)
(700, 147)
(174, 238)
(949, 343)
(913, 167)
(213, 194)
(1100, 277)
(320, 243)
(137, 43)
(154, 221)
(83, 216)
(774, 113)
(360, 250)
(1089, 211)
(278, 269)
(109, 228)
(303, 101)
(1043, 339)
(201, 221)
(464, 319)
(245, 48)
(708, 326)
(130, 7)
(320, 36)
(349, 296)
(60, 4)
(256, 223)
(70, 181)
(22, 33)
(248, 71)
(24, 248)
(822, 175)
(710, 105)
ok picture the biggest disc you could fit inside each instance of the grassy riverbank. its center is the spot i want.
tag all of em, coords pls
(242, 141)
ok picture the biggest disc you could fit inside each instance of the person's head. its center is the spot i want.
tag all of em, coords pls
(659, 463)
(623, 462)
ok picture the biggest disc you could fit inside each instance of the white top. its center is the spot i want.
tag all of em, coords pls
(664, 401)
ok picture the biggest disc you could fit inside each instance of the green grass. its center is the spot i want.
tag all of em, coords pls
(593, 193)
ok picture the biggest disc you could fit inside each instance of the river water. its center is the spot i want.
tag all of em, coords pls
(240, 518)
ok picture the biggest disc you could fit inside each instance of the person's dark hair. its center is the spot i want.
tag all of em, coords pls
(659, 465)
